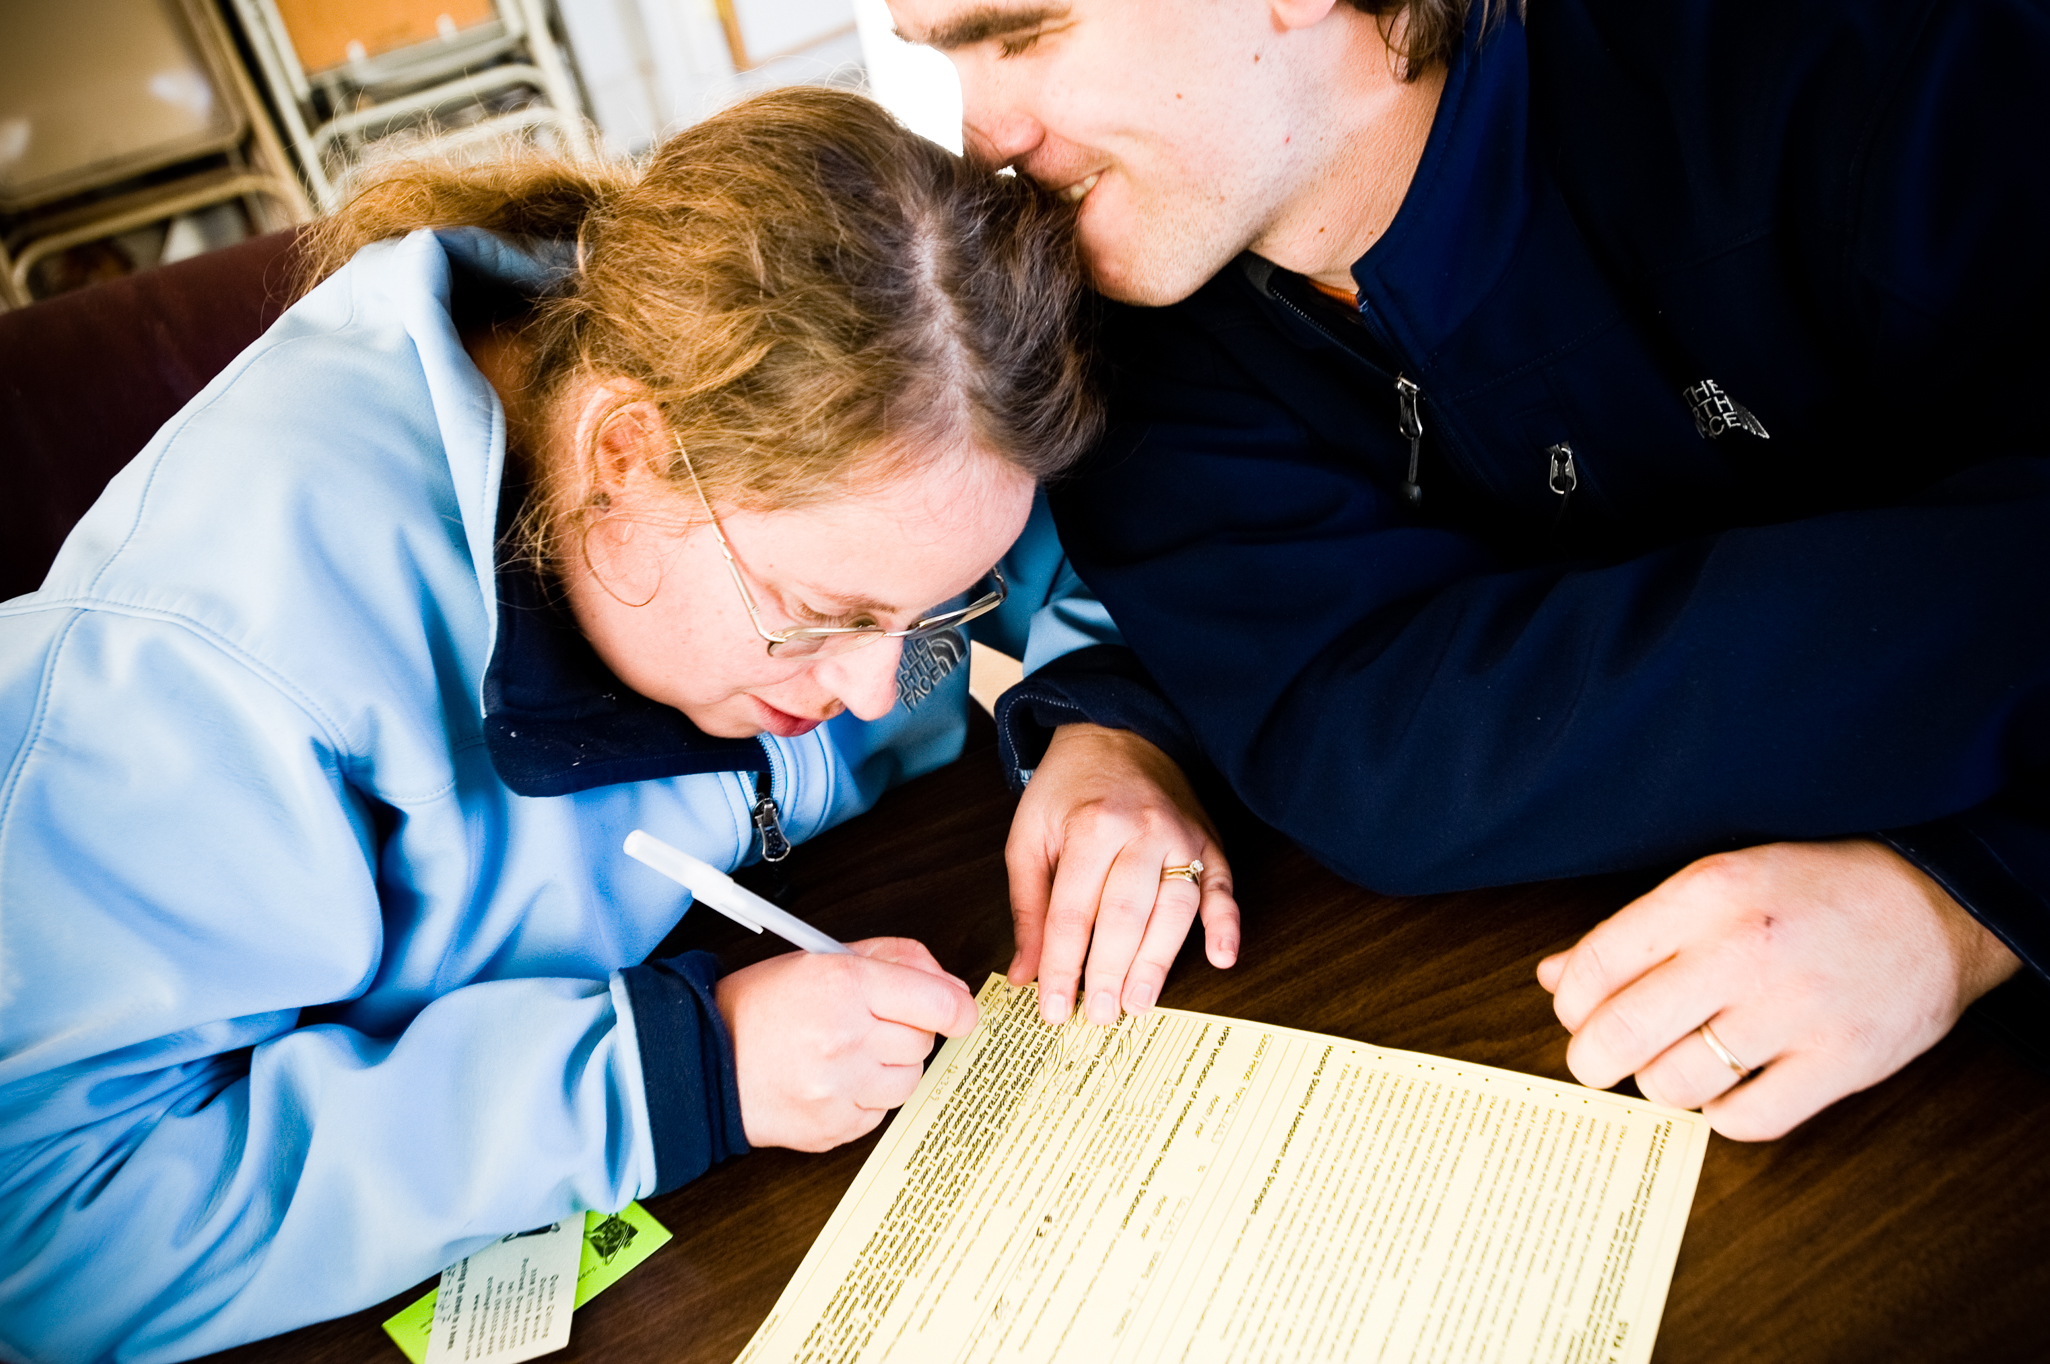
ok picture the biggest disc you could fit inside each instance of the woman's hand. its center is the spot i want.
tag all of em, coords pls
(1825, 967)
(1104, 813)
(827, 1044)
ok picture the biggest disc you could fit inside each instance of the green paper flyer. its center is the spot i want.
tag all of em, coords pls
(614, 1242)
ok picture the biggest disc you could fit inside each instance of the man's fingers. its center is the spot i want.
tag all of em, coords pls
(1628, 1030)
(1780, 1097)
(1550, 969)
(1618, 950)
(1689, 1074)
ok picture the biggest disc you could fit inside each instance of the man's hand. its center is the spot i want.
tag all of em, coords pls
(1104, 813)
(1825, 967)
(826, 1044)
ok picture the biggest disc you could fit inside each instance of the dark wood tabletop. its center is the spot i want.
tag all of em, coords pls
(1910, 1222)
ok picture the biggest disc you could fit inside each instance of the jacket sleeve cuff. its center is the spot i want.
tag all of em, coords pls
(687, 1064)
(1995, 861)
(1105, 685)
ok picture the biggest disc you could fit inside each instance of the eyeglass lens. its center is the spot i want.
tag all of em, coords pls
(802, 643)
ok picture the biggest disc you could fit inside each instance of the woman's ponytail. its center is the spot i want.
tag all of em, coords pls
(531, 196)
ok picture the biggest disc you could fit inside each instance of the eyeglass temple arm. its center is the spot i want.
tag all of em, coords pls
(747, 598)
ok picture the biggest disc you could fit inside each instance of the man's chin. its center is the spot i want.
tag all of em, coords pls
(1146, 279)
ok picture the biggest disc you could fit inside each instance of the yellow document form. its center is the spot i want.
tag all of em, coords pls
(1192, 1188)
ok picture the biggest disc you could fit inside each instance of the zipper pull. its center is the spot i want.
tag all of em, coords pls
(769, 821)
(1407, 396)
(1563, 476)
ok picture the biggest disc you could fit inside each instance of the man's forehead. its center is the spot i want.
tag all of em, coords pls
(949, 24)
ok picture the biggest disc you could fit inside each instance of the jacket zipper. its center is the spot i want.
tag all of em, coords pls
(1408, 398)
(768, 817)
(1411, 423)
(1564, 478)
(772, 877)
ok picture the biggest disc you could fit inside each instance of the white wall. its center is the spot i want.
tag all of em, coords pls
(917, 84)
(652, 66)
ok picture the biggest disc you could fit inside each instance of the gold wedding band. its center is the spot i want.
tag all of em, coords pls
(1188, 873)
(1723, 1053)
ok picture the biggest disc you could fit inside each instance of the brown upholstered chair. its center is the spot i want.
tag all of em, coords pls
(86, 379)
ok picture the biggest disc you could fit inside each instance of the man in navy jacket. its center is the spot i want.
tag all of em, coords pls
(1559, 443)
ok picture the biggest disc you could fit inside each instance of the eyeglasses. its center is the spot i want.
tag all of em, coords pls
(805, 641)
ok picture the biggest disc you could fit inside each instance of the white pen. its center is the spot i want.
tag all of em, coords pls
(714, 887)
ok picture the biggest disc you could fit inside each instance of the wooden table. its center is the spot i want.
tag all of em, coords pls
(1911, 1222)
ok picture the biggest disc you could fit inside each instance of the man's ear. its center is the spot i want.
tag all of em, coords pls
(1290, 15)
(619, 429)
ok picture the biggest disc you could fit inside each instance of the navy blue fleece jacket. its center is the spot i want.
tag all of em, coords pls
(1724, 325)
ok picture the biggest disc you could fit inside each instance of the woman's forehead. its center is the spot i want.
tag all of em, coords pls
(899, 544)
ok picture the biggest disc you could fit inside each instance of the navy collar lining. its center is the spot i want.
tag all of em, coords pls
(556, 719)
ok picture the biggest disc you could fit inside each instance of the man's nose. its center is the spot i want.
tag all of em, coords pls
(994, 130)
(865, 679)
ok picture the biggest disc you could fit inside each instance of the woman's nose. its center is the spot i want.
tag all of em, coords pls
(865, 679)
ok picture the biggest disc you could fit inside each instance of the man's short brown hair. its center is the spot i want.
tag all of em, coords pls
(1423, 33)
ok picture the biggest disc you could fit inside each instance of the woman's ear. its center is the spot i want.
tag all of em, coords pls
(619, 429)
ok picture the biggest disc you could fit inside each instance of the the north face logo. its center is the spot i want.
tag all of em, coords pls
(926, 662)
(1716, 412)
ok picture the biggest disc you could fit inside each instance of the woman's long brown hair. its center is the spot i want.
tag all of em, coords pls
(799, 282)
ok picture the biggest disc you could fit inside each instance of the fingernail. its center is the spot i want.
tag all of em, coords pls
(1142, 999)
(1054, 1008)
(1103, 1007)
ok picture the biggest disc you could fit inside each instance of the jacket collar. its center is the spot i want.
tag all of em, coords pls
(1465, 213)
(557, 720)
(1458, 228)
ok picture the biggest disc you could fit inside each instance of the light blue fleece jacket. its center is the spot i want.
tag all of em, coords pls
(298, 1002)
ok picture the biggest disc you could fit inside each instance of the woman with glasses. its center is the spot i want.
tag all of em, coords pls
(569, 500)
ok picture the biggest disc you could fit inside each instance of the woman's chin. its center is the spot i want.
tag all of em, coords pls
(743, 720)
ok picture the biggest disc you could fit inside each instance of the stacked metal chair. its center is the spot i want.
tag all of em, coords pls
(344, 73)
(128, 129)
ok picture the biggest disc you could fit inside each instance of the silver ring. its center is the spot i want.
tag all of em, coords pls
(1187, 873)
(1723, 1053)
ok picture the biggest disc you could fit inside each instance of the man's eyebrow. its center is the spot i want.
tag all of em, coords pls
(984, 22)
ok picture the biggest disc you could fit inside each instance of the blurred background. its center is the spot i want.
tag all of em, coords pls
(136, 133)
